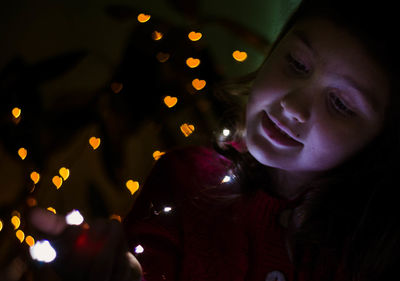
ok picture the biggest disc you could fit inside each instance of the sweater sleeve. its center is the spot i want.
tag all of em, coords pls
(165, 223)
(154, 235)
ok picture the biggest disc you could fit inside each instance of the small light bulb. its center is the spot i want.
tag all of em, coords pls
(226, 179)
(43, 251)
(132, 186)
(51, 209)
(139, 249)
(16, 112)
(30, 241)
(16, 221)
(20, 235)
(74, 218)
(226, 132)
(22, 152)
(167, 209)
(35, 177)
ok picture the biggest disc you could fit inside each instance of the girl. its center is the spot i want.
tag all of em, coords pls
(306, 191)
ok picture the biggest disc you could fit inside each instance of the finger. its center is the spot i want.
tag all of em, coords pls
(47, 222)
(126, 268)
(135, 266)
(114, 260)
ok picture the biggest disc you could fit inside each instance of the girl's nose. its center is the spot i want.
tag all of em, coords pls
(295, 107)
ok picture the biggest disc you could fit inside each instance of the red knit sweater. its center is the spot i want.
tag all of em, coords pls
(196, 240)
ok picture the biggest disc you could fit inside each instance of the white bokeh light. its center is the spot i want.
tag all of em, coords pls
(74, 218)
(226, 132)
(167, 209)
(43, 251)
(139, 249)
(226, 179)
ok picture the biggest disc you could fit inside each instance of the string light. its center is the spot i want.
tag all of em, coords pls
(226, 132)
(167, 209)
(226, 179)
(94, 142)
(139, 249)
(16, 222)
(195, 36)
(16, 213)
(16, 112)
(116, 87)
(156, 35)
(30, 241)
(74, 218)
(198, 84)
(51, 209)
(132, 186)
(31, 202)
(64, 173)
(170, 101)
(116, 217)
(20, 235)
(192, 62)
(162, 57)
(187, 129)
(142, 18)
(57, 181)
(43, 251)
(157, 154)
(239, 56)
(22, 152)
(1, 225)
(35, 177)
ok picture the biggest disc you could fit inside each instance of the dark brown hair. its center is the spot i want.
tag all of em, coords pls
(350, 223)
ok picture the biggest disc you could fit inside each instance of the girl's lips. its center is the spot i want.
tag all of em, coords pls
(277, 135)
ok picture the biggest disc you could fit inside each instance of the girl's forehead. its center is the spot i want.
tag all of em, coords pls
(341, 55)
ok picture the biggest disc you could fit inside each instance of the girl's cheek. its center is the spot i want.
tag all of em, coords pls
(272, 82)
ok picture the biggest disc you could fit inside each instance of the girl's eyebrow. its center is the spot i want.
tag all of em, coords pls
(302, 36)
(365, 94)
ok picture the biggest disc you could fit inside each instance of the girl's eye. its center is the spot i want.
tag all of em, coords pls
(297, 65)
(339, 105)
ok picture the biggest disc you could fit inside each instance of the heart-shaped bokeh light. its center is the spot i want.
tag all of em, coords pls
(143, 18)
(16, 112)
(35, 177)
(193, 62)
(157, 154)
(64, 172)
(170, 101)
(156, 35)
(195, 36)
(22, 152)
(51, 209)
(15, 221)
(162, 57)
(116, 87)
(239, 56)
(94, 142)
(198, 84)
(57, 181)
(30, 241)
(132, 186)
(187, 129)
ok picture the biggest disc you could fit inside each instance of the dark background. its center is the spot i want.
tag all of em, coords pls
(58, 60)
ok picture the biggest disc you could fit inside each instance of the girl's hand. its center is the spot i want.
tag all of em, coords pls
(96, 252)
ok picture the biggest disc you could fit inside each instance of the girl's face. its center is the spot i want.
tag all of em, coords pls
(318, 99)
